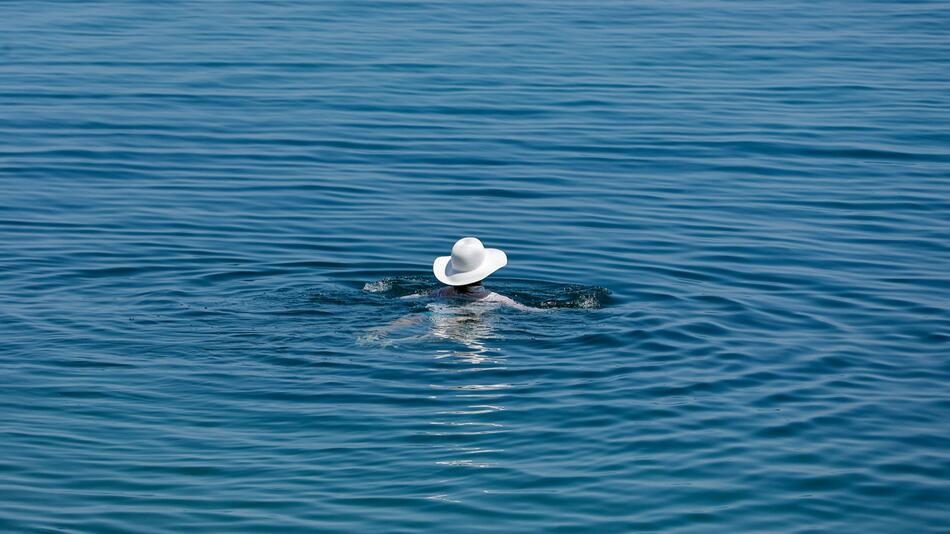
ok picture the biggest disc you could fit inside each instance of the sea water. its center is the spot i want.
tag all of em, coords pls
(218, 221)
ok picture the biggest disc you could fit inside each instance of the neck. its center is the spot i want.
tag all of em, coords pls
(468, 287)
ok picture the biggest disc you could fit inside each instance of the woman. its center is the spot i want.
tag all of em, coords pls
(464, 270)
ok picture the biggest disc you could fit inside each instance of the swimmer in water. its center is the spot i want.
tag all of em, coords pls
(464, 270)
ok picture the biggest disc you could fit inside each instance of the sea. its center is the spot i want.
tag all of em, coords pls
(218, 221)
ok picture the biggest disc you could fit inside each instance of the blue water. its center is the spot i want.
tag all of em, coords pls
(736, 216)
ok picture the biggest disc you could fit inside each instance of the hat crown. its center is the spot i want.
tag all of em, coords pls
(467, 254)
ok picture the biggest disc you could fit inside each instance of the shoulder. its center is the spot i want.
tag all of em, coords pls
(496, 297)
(508, 301)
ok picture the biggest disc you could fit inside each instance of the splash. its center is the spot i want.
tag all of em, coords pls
(535, 294)
(379, 286)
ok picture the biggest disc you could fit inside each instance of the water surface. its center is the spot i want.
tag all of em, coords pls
(735, 216)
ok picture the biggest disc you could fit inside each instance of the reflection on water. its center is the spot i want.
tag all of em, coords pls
(469, 377)
(470, 326)
(462, 378)
(467, 427)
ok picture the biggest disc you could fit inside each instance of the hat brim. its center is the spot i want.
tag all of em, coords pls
(442, 268)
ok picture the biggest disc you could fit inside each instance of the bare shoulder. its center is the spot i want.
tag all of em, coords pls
(508, 301)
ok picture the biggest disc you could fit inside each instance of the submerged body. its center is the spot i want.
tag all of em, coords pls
(478, 293)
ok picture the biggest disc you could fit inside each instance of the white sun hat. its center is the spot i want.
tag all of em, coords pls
(470, 262)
